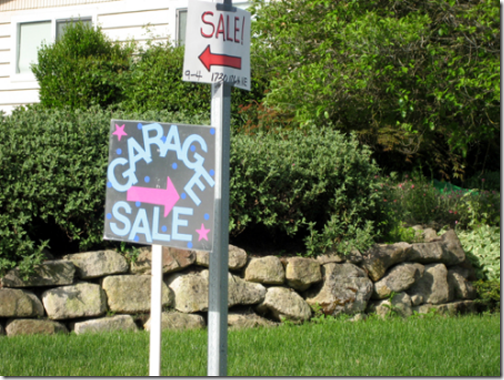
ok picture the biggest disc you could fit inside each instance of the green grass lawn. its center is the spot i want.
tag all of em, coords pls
(432, 346)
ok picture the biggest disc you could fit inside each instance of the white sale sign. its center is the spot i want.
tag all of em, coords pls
(217, 45)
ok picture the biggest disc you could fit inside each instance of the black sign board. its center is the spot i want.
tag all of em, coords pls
(160, 184)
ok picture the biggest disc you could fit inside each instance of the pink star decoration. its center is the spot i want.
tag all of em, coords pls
(119, 132)
(203, 233)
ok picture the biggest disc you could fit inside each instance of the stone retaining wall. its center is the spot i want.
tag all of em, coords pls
(101, 291)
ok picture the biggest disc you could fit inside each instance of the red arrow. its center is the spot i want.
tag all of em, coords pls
(208, 59)
(164, 197)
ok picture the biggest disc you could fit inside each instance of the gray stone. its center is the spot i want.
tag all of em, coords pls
(74, 301)
(236, 261)
(452, 308)
(301, 273)
(459, 287)
(19, 303)
(419, 234)
(178, 321)
(98, 263)
(430, 235)
(426, 235)
(202, 258)
(106, 324)
(433, 285)
(416, 300)
(130, 294)
(400, 305)
(397, 279)
(37, 303)
(380, 257)
(330, 258)
(469, 273)
(190, 291)
(463, 271)
(265, 270)
(50, 273)
(243, 319)
(345, 289)
(241, 292)
(358, 317)
(446, 250)
(237, 258)
(355, 257)
(284, 303)
(174, 260)
(34, 326)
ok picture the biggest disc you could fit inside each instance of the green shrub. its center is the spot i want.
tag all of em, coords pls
(415, 200)
(52, 174)
(317, 183)
(82, 69)
(415, 79)
(489, 181)
(155, 83)
(482, 247)
(488, 295)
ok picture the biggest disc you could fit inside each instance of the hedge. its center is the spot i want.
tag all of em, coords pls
(316, 183)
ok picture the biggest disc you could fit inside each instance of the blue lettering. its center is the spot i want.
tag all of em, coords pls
(134, 158)
(148, 140)
(173, 135)
(132, 179)
(195, 180)
(187, 143)
(141, 226)
(121, 218)
(176, 223)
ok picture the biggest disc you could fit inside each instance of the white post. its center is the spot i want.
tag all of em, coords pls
(155, 314)
(218, 286)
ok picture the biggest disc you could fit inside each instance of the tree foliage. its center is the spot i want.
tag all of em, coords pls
(82, 69)
(409, 76)
(154, 82)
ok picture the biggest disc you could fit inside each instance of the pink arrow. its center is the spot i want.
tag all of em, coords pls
(166, 198)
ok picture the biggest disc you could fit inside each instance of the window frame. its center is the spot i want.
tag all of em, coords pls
(179, 42)
(66, 20)
(52, 17)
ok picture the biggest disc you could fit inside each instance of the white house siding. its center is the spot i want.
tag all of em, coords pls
(11, 5)
(120, 20)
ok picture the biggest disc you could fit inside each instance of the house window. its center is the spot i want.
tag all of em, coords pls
(31, 35)
(62, 24)
(31, 32)
(181, 26)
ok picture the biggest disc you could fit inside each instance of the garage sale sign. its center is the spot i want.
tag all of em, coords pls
(160, 184)
(217, 46)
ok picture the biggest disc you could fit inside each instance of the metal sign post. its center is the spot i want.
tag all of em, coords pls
(218, 53)
(218, 287)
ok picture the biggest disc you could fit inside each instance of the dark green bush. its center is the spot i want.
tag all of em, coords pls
(318, 183)
(488, 295)
(417, 80)
(414, 199)
(52, 175)
(82, 69)
(155, 83)
(53, 169)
